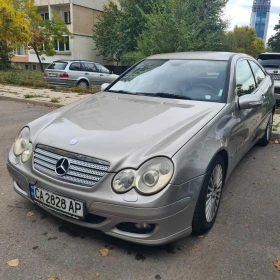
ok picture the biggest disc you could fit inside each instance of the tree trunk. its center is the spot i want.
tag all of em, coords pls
(40, 62)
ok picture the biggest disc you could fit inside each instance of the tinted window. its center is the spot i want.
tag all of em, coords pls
(58, 65)
(183, 79)
(89, 67)
(258, 72)
(102, 69)
(245, 82)
(75, 66)
(269, 56)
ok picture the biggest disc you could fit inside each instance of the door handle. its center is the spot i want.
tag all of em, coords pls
(86, 73)
(101, 75)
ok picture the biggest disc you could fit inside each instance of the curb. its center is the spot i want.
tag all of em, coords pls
(275, 135)
(35, 102)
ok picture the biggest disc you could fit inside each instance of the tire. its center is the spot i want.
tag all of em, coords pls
(83, 83)
(268, 131)
(210, 196)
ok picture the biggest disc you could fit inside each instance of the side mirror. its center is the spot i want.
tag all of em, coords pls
(104, 86)
(250, 101)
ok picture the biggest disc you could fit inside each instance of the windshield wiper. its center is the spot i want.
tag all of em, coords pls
(122, 91)
(170, 95)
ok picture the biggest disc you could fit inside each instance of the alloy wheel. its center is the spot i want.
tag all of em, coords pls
(214, 193)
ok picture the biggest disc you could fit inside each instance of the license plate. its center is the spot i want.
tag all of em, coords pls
(61, 204)
(52, 75)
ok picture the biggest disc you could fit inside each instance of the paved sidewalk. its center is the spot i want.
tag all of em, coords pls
(52, 97)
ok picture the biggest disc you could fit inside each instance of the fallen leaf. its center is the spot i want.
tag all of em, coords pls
(13, 262)
(276, 142)
(260, 183)
(277, 264)
(274, 169)
(268, 181)
(200, 236)
(30, 214)
(196, 248)
(245, 217)
(97, 274)
(104, 252)
(52, 278)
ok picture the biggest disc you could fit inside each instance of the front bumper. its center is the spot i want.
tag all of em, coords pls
(170, 211)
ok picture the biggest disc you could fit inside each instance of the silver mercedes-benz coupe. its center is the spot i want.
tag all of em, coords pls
(146, 159)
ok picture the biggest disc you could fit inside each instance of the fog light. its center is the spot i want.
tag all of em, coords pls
(143, 226)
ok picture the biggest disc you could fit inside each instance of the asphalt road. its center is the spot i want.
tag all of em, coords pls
(242, 245)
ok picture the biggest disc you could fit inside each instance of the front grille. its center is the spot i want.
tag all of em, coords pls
(83, 170)
(276, 77)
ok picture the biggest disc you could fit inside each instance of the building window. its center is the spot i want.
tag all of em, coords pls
(45, 16)
(34, 67)
(62, 46)
(26, 66)
(67, 17)
(20, 50)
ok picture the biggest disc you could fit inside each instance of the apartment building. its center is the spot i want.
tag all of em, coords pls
(80, 17)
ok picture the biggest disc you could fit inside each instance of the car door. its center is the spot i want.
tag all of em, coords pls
(248, 119)
(104, 74)
(263, 82)
(91, 73)
(75, 72)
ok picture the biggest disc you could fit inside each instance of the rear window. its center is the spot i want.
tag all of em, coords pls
(58, 66)
(269, 57)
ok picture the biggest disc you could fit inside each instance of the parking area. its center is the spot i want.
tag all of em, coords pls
(242, 245)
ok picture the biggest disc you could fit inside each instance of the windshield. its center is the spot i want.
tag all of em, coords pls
(58, 65)
(180, 79)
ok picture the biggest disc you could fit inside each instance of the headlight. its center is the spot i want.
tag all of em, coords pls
(27, 153)
(150, 178)
(22, 141)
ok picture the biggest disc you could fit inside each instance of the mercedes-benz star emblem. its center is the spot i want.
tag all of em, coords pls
(73, 142)
(62, 166)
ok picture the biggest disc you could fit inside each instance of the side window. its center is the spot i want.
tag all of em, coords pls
(258, 72)
(245, 82)
(89, 67)
(75, 66)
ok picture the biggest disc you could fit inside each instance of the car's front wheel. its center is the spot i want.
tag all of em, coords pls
(268, 132)
(210, 197)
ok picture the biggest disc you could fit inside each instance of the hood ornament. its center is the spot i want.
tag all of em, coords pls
(73, 142)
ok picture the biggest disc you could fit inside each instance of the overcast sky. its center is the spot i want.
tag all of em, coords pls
(239, 13)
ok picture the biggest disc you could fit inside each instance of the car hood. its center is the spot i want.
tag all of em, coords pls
(127, 130)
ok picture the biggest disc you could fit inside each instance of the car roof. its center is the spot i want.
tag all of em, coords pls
(269, 53)
(222, 56)
(65, 60)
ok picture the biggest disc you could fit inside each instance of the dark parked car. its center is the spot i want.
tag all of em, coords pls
(271, 63)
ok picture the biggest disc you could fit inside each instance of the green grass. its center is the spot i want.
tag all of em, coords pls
(54, 100)
(23, 78)
(33, 95)
(35, 79)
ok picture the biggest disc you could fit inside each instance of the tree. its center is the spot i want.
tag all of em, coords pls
(119, 27)
(244, 40)
(43, 33)
(14, 26)
(14, 30)
(274, 41)
(183, 25)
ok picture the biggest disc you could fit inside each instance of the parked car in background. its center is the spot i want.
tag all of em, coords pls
(146, 160)
(271, 63)
(77, 73)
